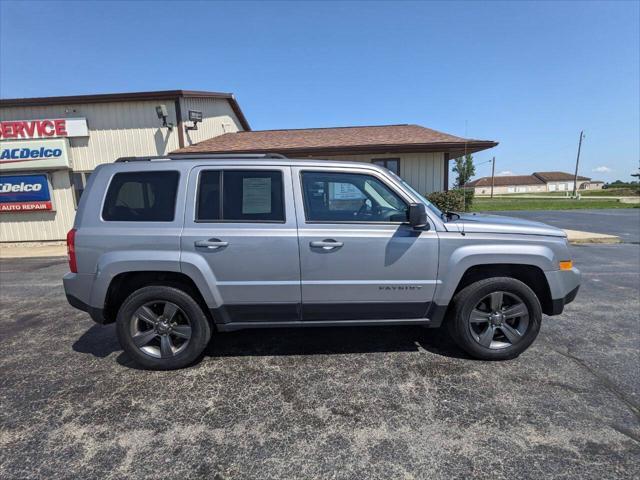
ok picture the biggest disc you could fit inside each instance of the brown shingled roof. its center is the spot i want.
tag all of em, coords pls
(504, 181)
(340, 140)
(557, 176)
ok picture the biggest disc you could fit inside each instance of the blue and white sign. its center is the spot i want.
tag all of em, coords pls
(34, 155)
(20, 193)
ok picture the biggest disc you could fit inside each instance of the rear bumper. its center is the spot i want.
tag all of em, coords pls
(564, 286)
(77, 288)
(96, 314)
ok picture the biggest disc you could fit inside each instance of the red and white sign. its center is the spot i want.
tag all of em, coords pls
(25, 207)
(46, 128)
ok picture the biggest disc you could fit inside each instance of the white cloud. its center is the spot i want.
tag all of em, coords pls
(504, 173)
(602, 169)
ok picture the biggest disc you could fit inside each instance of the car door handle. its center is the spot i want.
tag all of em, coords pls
(212, 243)
(326, 244)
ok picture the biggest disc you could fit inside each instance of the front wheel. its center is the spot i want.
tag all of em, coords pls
(162, 328)
(495, 319)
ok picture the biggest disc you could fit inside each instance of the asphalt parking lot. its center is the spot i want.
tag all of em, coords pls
(624, 223)
(324, 403)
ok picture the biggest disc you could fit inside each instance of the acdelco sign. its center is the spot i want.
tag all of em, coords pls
(45, 128)
(34, 155)
(25, 153)
(19, 187)
(24, 193)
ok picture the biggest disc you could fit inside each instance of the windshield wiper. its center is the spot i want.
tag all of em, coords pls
(449, 215)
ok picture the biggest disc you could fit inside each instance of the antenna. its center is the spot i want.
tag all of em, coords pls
(575, 177)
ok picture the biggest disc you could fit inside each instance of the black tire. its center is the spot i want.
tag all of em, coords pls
(464, 333)
(190, 313)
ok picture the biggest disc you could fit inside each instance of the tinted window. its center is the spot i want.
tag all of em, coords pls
(79, 181)
(392, 164)
(209, 200)
(349, 197)
(247, 196)
(141, 197)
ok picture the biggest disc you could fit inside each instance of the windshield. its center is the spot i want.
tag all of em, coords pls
(429, 205)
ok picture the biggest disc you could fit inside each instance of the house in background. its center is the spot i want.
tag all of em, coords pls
(538, 182)
(418, 154)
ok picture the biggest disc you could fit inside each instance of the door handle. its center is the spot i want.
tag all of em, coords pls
(212, 243)
(326, 244)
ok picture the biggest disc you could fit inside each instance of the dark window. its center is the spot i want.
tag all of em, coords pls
(392, 164)
(141, 197)
(350, 197)
(247, 196)
(79, 181)
(209, 200)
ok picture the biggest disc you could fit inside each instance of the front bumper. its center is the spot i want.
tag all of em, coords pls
(564, 286)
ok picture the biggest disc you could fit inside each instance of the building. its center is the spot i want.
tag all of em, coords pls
(419, 155)
(538, 182)
(49, 147)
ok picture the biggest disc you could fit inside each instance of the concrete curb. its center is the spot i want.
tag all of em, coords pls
(577, 237)
(33, 250)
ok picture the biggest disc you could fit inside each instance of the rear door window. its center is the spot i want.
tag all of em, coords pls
(240, 196)
(141, 197)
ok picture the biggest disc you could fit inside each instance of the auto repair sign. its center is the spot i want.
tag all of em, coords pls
(43, 128)
(34, 155)
(24, 193)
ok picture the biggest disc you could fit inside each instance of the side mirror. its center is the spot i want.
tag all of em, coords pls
(418, 215)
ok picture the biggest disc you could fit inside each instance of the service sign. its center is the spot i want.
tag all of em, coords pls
(24, 193)
(34, 155)
(44, 128)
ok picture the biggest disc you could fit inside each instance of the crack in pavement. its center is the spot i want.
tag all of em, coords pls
(605, 382)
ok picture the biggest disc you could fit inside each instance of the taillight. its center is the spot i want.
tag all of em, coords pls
(71, 250)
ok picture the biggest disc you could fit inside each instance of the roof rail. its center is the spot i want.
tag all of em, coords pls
(198, 156)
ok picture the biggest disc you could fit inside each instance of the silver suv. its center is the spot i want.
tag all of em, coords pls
(173, 249)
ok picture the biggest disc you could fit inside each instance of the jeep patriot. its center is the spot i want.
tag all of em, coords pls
(173, 249)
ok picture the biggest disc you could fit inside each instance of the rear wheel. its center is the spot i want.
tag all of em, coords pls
(162, 328)
(495, 319)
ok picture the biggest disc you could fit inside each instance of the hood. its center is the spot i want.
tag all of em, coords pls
(473, 223)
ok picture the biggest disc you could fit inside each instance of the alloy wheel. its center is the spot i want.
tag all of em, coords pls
(499, 320)
(160, 329)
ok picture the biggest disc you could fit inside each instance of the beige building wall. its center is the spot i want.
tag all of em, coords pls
(510, 189)
(218, 118)
(116, 129)
(423, 171)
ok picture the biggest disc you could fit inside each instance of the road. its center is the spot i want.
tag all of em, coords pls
(324, 403)
(624, 223)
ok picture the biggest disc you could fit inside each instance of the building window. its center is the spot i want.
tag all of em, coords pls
(79, 181)
(240, 196)
(392, 164)
(141, 197)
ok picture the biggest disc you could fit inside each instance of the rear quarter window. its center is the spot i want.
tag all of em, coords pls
(141, 197)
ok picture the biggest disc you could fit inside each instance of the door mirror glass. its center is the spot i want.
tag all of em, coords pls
(418, 215)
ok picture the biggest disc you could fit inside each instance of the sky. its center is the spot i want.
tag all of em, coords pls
(530, 75)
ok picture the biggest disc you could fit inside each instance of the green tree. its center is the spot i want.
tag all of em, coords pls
(464, 168)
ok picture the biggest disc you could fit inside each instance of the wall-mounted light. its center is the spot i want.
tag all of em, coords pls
(195, 117)
(163, 114)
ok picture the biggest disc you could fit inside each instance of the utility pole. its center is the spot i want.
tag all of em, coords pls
(575, 177)
(493, 174)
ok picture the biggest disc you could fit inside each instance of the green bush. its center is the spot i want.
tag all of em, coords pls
(453, 200)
